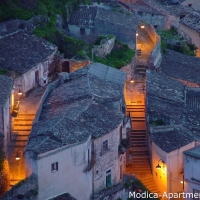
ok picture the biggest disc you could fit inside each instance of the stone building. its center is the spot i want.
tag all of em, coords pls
(189, 28)
(77, 132)
(167, 147)
(191, 172)
(6, 84)
(147, 13)
(28, 58)
(90, 21)
(192, 3)
(172, 118)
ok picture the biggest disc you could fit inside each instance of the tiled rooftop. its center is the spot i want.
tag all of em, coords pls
(129, 21)
(165, 99)
(6, 85)
(164, 87)
(84, 16)
(179, 115)
(194, 152)
(192, 21)
(140, 5)
(21, 51)
(181, 66)
(169, 141)
(76, 110)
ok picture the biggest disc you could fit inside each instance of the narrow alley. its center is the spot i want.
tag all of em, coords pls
(22, 125)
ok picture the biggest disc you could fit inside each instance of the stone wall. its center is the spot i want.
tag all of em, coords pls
(116, 192)
(26, 187)
(4, 178)
(156, 56)
(105, 47)
(75, 64)
(105, 161)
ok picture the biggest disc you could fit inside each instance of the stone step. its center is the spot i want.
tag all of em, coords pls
(140, 149)
(138, 145)
(21, 128)
(18, 143)
(23, 123)
(24, 133)
(138, 139)
(23, 119)
(26, 114)
(138, 119)
(20, 137)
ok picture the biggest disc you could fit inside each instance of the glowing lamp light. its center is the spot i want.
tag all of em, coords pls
(158, 166)
(132, 81)
(18, 156)
(136, 34)
(142, 26)
(181, 182)
(19, 92)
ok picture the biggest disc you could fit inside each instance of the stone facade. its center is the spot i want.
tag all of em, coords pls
(191, 171)
(107, 160)
(156, 56)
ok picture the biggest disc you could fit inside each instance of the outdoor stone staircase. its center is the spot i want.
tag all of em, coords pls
(140, 165)
(22, 125)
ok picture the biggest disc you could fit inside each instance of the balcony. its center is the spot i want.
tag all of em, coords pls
(91, 163)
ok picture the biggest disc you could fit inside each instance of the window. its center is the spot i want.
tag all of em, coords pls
(108, 178)
(105, 146)
(190, 5)
(155, 26)
(82, 31)
(196, 194)
(54, 167)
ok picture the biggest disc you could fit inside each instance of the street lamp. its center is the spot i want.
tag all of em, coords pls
(142, 26)
(158, 166)
(19, 91)
(18, 156)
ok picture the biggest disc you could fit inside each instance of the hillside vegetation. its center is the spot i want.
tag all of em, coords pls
(25, 9)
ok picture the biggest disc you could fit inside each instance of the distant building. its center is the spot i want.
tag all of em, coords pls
(190, 27)
(88, 22)
(77, 131)
(192, 3)
(147, 13)
(191, 172)
(172, 118)
(167, 147)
